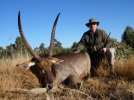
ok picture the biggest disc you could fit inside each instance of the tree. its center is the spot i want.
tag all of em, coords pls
(128, 36)
(71, 49)
(74, 46)
(10, 50)
(57, 44)
(20, 47)
(57, 47)
(42, 49)
(2, 52)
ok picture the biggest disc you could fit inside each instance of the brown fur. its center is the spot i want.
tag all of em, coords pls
(69, 71)
(63, 68)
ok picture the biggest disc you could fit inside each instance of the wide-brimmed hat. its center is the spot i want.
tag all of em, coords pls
(92, 20)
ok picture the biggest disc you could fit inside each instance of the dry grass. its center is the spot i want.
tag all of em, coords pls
(101, 87)
(126, 68)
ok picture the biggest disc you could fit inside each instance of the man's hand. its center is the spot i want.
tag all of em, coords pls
(104, 50)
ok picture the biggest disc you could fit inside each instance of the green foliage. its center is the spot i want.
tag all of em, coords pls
(73, 47)
(122, 50)
(42, 49)
(2, 52)
(10, 50)
(57, 47)
(128, 36)
(20, 47)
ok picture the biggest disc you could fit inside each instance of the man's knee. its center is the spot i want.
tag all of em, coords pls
(110, 54)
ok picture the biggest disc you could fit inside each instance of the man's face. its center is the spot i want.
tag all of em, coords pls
(93, 26)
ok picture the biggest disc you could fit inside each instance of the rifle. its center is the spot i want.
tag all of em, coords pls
(107, 39)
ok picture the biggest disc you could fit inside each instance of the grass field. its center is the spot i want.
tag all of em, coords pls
(101, 87)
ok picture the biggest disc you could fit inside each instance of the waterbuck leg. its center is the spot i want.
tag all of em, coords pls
(74, 81)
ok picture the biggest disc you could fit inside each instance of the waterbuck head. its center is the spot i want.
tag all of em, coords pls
(40, 65)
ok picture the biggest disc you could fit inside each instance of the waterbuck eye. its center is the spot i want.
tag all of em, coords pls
(24, 65)
(57, 62)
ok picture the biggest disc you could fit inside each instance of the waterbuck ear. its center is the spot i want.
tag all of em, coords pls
(26, 65)
(56, 60)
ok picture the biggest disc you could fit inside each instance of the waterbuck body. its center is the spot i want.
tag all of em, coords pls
(72, 69)
(69, 68)
(75, 67)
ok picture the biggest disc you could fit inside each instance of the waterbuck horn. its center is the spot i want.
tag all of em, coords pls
(24, 39)
(53, 37)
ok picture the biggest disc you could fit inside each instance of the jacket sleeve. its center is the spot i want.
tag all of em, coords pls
(105, 41)
(81, 44)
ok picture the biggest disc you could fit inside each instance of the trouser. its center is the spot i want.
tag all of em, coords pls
(96, 58)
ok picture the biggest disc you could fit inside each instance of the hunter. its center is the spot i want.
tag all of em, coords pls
(97, 43)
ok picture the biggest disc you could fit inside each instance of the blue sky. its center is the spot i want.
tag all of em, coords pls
(38, 16)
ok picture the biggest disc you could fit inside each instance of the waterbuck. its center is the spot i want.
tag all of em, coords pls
(52, 70)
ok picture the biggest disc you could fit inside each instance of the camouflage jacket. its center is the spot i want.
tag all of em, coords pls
(94, 41)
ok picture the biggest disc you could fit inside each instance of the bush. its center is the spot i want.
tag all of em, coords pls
(122, 50)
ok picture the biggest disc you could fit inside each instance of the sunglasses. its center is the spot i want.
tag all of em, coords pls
(92, 23)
